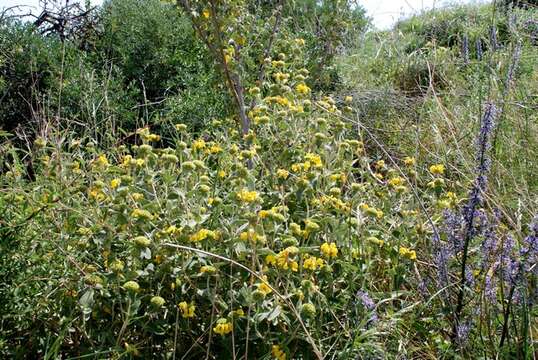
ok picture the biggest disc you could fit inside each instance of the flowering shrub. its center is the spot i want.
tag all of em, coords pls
(289, 241)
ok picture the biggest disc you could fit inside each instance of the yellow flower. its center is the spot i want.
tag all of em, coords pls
(214, 149)
(277, 353)
(208, 269)
(205, 13)
(300, 41)
(329, 250)
(198, 144)
(251, 236)
(97, 194)
(409, 161)
(223, 327)
(141, 214)
(114, 183)
(270, 259)
(302, 88)
(187, 310)
(264, 286)
(221, 174)
(202, 234)
(101, 161)
(282, 174)
(282, 101)
(313, 263)
(314, 160)
(438, 169)
(247, 196)
(173, 230)
(396, 181)
(407, 253)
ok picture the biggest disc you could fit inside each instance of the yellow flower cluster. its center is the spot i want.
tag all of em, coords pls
(275, 213)
(282, 174)
(114, 183)
(129, 161)
(332, 202)
(281, 77)
(146, 135)
(198, 144)
(329, 250)
(284, 259)
(302, 88)
(280, 100)
(223, 327)
(208, 269)
(187, 310)
(438, 169)
(203, 234)
(252, 236)
(407, 253)
(313, 263)
(409, 161)
(141, 214)
(247, 196)
(101, 161)
(264, 287)
(277, 353)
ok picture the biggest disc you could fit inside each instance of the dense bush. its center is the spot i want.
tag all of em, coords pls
(291, 224)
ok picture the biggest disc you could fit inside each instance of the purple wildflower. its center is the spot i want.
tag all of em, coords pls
(366, 300)
(478, 49)
(493, 38)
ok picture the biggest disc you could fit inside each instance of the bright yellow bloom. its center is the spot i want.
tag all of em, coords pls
(114, 183)
(329, 250)
(202, 234)
(101, 161)
(208, 269)
(302, 88)
(282, 174)
(264, 286)
(214, 149)
(247, 196)
(438, 169)
(407, 253)
(252, 236)
(187, 310)
(173, 230)
(313, 263)
(277, 353)
(205, 13)
(396, 181)
(198, 144)
(223, 327)
(314, 160)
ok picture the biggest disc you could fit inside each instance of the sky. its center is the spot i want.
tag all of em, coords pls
(383, 12)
